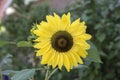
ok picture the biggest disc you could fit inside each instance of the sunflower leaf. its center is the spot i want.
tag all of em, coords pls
(24, 44)
(93, 54)
(24, 74)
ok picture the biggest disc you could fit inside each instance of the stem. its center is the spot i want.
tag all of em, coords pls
(52, 72)
(46, 76)
(40, 68)
(1, 73)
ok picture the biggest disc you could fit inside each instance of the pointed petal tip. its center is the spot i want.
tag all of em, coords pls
(55, 14)
(81, 62)
(42, 62)
(68, 70)
(37, 54)
(60, 67)
(68, 14)
(90, 36)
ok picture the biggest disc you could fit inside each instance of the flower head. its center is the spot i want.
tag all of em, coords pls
(60, 42)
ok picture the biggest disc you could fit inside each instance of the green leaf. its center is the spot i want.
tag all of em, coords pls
(93, 54)
(100, 36)
(24, 74)
(24, 44)
(3, 43)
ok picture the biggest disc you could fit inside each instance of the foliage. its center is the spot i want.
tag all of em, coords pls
(101, 17)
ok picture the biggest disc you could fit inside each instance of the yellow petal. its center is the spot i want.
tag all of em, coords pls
(46, 27)
(58, 59)
(71, 62)
(60, 63)
(83, 44)
(43, 25)
(77, 28)
(39, 39)
(84, 37)
(42, 44)
(74, 59)
(41, 33)
(44, 30)
(55, 60)
(76, 22)
(83, 53)
(77, 58)
(42, 51)
(65, 21)
(45, 58)
(52, 58)
(51, 20)
(58, 21)
(66, 62)
(37, 32)
(56, 17)
(68, 17)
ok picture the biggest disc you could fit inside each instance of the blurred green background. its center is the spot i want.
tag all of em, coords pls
(103, 20)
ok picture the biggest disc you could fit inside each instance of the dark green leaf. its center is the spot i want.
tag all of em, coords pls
(100, 36)
(93, 54)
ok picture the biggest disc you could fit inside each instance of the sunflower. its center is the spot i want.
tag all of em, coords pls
(60, 42)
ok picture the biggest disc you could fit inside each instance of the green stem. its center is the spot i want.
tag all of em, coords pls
(1, 73)
(47, 74)
(52, 73)
(40, 68)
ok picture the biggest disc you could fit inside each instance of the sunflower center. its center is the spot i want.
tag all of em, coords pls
(62, 41)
